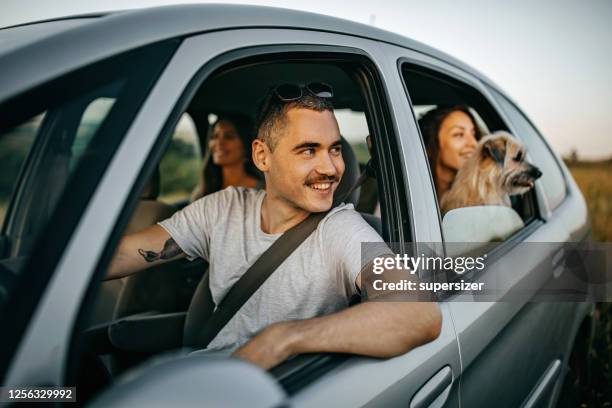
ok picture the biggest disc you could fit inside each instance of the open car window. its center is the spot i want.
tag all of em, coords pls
(553, 180)
(491, 208)
(167, 293)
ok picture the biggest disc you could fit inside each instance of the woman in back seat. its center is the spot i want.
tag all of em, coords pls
(228, 159)
(450, 135)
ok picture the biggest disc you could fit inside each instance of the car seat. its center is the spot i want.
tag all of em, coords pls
(148, 212)
(164, 288)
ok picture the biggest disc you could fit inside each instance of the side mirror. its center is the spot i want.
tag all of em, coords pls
(477, 225)
(194, 381)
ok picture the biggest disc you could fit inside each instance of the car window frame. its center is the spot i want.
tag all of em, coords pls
(496, 93)
(478, 85)
(394, 210)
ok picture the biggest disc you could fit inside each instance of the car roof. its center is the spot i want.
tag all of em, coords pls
(73, 42)
(19, 36)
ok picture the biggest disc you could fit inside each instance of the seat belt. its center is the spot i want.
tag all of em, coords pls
(260, 271)
(255, 276)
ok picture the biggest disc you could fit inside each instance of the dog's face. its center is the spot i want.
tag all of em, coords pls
(504, 156)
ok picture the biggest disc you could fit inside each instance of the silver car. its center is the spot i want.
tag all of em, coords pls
(97, 109)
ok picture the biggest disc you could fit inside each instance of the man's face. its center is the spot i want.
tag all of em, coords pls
(306, 165)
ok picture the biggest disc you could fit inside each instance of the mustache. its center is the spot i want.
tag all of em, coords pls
(323, 179)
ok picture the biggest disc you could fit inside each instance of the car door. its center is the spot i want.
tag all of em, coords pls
(511, 351)
(423, 376)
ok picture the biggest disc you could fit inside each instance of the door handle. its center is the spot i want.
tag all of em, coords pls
(436, 389)
(558, 263)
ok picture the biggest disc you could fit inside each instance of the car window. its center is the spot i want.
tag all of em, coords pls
(453, 118)
(92, 118)
(172, 291)
(354, 128)
(553, 181)
(60, 136)
(17, 143)
(181, 164)
(64, 133)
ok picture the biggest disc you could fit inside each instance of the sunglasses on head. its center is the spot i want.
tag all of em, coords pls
(292, 92)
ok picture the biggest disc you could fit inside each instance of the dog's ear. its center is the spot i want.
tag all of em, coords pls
(495, 150)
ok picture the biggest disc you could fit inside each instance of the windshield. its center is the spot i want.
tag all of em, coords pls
(37, 158)
(55, 143)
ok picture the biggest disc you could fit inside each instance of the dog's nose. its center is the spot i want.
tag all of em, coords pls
(535, 172)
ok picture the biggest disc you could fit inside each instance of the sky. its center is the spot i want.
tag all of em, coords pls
(554, 58)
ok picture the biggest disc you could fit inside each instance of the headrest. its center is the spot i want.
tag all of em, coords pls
(469, 229)
(350, 177)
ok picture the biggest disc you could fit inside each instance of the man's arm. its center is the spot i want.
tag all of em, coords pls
(141, 250)
(377, 329)
(383, 328)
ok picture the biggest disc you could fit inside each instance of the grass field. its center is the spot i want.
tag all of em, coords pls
(595, 388)
(595, 181)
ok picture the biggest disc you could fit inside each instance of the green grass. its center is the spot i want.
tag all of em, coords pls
(595, 182)
(180, 169)
(594, 388)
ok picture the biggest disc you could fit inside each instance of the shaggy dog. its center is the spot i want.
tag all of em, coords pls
(494, 172)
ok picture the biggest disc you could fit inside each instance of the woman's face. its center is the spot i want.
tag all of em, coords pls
(225, 145)
(457, 140)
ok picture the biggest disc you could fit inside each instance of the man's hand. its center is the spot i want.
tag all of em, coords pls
(269, 347)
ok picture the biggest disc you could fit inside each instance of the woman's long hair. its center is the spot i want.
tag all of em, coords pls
(211, 179)
(430, 127)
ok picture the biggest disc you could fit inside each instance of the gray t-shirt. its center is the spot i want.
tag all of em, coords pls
(317, 278)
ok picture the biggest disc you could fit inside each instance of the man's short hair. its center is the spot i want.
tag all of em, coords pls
(271, 117)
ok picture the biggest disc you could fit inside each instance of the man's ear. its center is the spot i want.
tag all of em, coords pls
(261, 155)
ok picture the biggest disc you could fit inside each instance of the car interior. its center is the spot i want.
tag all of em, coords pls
(159, 310)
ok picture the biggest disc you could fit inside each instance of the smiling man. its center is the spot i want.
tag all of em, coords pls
(302, 306)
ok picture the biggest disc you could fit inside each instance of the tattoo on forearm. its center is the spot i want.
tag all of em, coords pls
(170, 250)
